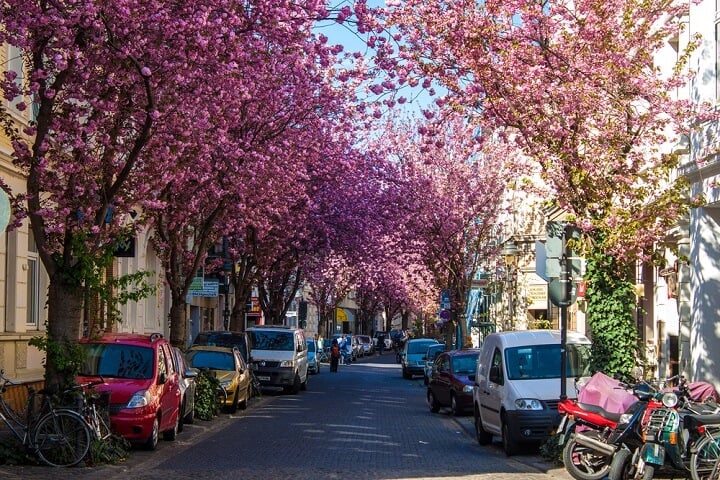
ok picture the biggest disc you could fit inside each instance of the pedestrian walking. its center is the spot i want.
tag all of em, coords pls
(334, 356)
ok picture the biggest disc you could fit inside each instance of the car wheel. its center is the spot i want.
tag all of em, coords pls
(181, 417)
(244, 404)
(453, 405)
(432, 402)
(190, 417)
(152, 441)
(509, 444)
(295, 386)
(233, 408)
(171, 434)
(483, 437)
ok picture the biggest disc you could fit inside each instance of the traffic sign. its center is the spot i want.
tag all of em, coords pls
(445, 314)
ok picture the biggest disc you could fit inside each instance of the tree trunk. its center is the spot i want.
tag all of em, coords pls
(64, 329)
(178, 322)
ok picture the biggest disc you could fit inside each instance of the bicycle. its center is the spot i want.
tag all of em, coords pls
(59, 437)
(704, 464)
(93, 405)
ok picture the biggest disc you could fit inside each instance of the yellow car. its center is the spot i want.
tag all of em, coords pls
(229, 368)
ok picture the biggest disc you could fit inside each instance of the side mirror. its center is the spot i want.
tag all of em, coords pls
(471, 377)
(162, 379)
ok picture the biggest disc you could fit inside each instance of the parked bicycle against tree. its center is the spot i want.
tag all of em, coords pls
(60, 437)
(93, 406)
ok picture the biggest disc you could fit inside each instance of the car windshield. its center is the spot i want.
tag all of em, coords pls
(268, 340)
(543, 361)
(117, 360)
(211, 360)
(222, 339)
(465, 365)
(417, 347)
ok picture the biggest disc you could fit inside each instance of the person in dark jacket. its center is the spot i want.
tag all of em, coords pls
(334, 356)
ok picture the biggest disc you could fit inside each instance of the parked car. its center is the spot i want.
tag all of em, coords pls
(366, 344)
(386, 336)
(313, 356)
(279, 356)
(411, 356)
(517, 384)
(229, 368)
(357, 347)
(144, 385)
(432, 353)
(187, 389)
(451, 381)
(223, 338)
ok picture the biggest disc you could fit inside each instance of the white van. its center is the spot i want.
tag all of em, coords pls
(517, 384)
(279, 357)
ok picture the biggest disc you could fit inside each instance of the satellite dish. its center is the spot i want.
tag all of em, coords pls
(4, 210)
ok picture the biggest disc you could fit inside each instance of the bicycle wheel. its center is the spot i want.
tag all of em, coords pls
(704, 462)
(61, 438)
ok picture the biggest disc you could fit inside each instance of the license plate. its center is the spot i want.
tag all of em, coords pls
(263, 378)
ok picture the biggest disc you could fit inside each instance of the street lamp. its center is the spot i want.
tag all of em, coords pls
(509, 254)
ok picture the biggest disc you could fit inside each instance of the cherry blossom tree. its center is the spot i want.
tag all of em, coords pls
(575, 85)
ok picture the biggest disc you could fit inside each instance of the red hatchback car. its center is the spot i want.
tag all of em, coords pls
(451, 381)
(140, 374)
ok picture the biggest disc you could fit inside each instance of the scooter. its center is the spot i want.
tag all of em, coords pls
(671, 436)
(588, 422)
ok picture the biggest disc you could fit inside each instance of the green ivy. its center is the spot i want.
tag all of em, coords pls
(207, 402)
(67, 356)
(611, 303)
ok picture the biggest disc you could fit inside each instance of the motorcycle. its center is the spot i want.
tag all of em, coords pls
(671, 434)
(589, 421)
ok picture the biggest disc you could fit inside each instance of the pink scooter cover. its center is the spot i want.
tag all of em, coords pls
(607, 393)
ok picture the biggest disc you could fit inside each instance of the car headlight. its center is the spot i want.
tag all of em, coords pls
(467, 389)
(139, 399)
(528, 404)
(287, 363)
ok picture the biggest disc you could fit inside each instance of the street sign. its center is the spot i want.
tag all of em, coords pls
(445, 314)
(540, 261)
(555, 292)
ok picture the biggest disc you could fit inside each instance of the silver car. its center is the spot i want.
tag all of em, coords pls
(313, 356)
(432, 353)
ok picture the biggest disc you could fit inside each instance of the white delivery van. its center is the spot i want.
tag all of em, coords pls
(517, 384)
(279, 357)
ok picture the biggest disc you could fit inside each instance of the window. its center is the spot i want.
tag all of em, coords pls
(119, 361)
(496, 366)
(33, 283)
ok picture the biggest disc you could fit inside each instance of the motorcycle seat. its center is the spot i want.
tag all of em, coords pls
(596, 409)
(693, 421)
